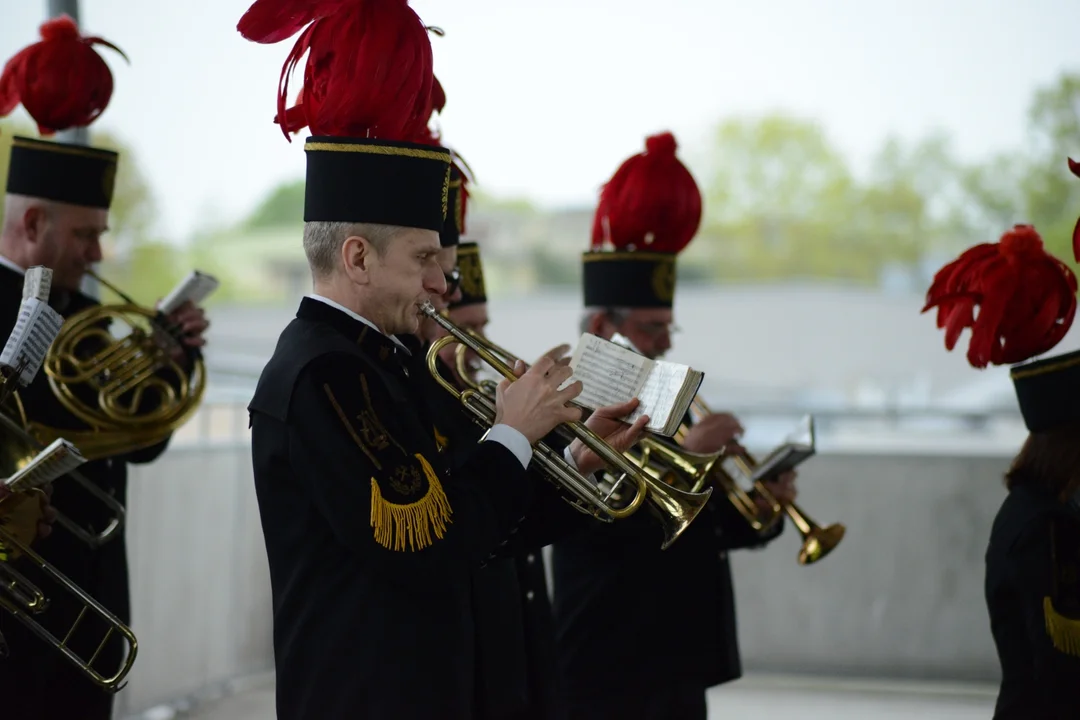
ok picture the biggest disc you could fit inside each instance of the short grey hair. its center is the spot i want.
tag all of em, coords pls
(323, 241)
(617, 316)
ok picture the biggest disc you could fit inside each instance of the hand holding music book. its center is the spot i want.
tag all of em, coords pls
(611, 374)
(799, 446)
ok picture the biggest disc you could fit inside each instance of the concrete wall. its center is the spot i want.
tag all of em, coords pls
(900, 597)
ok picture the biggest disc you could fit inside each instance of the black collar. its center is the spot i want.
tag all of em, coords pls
(374, 344)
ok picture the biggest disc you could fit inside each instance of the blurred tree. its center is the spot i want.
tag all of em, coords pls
(283, 207)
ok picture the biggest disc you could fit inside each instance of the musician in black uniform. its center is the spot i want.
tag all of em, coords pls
(619, 600)
(371, 532)
(1033, 558)
(55, 213)
(516, 651)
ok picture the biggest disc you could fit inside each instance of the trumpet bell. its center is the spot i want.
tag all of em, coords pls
(817, 541)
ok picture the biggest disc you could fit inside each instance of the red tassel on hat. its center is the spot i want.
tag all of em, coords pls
(60, 80)
(368, 70)
(1025, 298)
(650, 203)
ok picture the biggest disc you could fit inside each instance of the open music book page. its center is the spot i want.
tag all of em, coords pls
(35, 329)
(797, 447)
(611, 374)
(57, 460)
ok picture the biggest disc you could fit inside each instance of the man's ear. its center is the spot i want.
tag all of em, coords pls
(597, 323)
(356, 255)
(34, 220)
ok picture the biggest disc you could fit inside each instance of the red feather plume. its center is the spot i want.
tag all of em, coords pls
(1025, 299)
(1075, 168)
(650, 203)
(368, 70)
(60, 80)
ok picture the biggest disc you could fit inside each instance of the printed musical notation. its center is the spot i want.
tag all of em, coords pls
(608, 378)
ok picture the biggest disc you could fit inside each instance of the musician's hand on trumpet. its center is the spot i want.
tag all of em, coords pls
(533, 404)
(782, 488)
(714, 432)
(606, 422)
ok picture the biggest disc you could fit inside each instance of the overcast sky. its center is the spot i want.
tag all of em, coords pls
(546, 98)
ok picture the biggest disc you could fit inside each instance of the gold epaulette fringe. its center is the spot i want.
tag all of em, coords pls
(1065, 632)
(410, 527)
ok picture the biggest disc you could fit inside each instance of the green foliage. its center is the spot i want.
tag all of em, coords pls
(283, 207)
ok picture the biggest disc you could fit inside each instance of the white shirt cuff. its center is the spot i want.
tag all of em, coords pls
(513, 441)
(569, 457)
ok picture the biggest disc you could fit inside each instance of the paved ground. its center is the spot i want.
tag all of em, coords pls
(766, 697)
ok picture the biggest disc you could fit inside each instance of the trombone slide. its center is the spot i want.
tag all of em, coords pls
(27, 602)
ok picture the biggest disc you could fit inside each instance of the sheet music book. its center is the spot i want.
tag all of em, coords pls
(37, 283)
(611, 374)
(196, 287)
(796, 448)
(57, 460)
(36, 328)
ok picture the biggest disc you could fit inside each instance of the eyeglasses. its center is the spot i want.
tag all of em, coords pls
(453, 280)
(656, 329)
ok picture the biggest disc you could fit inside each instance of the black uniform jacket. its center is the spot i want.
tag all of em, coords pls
(1033, 597)
(371, 534)
(621, 603)
(516, 655)
(103, 572)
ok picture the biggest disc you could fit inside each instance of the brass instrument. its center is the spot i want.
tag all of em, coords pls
(128, 389)
(18, 447)
(25, 600)
(674, 508)
(817, 541)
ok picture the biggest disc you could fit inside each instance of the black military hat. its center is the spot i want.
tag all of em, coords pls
(1047, 391)
(454, 225)
(473, 290)
(62, 83)
(376, 181)
(648, 212)
(72, 174)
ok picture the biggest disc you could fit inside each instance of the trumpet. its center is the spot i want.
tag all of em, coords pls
(674, 508)
(127, 387)
(817, 541)
(27, 602)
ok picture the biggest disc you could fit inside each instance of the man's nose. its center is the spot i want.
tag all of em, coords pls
(93, 252)
(435, 282)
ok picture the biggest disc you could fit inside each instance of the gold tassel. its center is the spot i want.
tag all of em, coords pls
(1065, 632)
(399, 525)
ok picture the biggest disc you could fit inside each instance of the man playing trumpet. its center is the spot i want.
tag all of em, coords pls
(614, 589)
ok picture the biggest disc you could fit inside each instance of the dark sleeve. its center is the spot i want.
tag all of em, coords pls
(148, 454)
(367, 474)
(736, 532)
(1032, 573)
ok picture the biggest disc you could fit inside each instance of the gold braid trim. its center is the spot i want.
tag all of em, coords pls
(1065, 632)
(399, 525)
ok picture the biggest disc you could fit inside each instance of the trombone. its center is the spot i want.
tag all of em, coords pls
(27, 602)
(674, 508)
(817, 541)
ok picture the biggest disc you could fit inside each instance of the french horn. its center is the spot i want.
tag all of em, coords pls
(112, 367)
